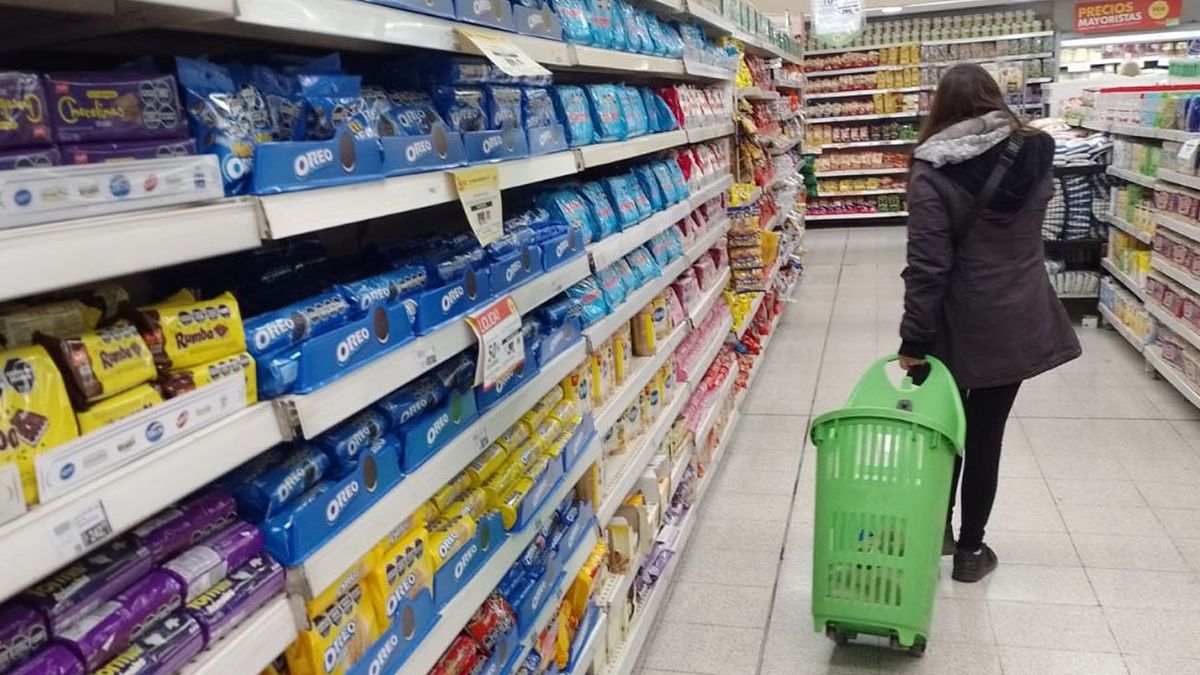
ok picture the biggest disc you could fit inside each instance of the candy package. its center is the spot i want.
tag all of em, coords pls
(101, 363)
(592, 303)
(461, 107)
(605, 105)
(573, 108)
(537, 104)
(222, 122)
(604, 216)
(183, 331)
(621, 194)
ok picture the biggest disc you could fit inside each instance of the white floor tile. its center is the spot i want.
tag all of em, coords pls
(698, 648)
(717, 605)
(1024, 661)
(1046, 626)
(1142, 589)
(1132, 553)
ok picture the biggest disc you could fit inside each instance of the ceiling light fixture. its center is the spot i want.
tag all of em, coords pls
(892, 9)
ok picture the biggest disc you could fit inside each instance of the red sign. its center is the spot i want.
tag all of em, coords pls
(1108, 16)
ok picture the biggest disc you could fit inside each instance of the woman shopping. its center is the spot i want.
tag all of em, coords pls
(977, 294)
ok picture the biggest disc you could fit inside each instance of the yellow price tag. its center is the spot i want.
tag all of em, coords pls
(479, 192)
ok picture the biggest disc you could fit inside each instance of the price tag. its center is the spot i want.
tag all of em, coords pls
(501, 344)
(1187, 152)
(78, 533)
(479, 191)
(427, 356)
(481, 439)
(504, 53)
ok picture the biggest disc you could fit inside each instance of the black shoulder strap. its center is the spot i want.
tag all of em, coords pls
(1007, 159)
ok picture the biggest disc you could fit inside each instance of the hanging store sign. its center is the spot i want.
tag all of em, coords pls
(836, 22)
(1111, 16)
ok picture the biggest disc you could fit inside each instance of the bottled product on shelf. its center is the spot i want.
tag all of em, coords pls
(1009, 25)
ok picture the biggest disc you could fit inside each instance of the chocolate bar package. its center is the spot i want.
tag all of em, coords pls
(165, 648)
(237, 596)
(24, 119)
(184, 332)
(184, 380)
(187, 524)
(114, 106)
(29, 158)
(101, 363)
(202, 566)
(54, 659)
(22, 631)
(96, 153)
(35, 413)
(150, 600)
(85, 584)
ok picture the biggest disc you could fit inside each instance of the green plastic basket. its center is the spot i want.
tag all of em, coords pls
(884, 465)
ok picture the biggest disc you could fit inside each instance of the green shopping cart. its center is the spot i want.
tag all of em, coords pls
(884, 465)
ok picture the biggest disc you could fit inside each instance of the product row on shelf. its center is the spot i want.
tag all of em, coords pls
(945, 30)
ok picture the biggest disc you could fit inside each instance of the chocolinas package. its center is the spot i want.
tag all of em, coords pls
(114, 106)
(22, 631)
(24, 119)
(165, 648)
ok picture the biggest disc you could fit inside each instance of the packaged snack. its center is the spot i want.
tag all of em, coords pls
(117, 407)
(600, 19)
(165, 647)
(35, 412)
(569, 207)
(101, 363)
(411, 401)
(623, 353)
(221, 121)
(621, 194)
(612, 286)
(178, 527)
(29, 158)
(386, 288)
(634, 111)
(503, 107)
(491, 622)
(53, 659)
(113, 106)
(483, 466)
(181, 381)
(85, 584)
(345, 442)
(606, 111)
(645, 342)
(24, 117)
(228, 602)
(341, 632)
(409, 113)
(644, 175)
(404, 570)
(334, 101)
(572, 105)
(461, 107)
(447, 537)
(150, 599)
(22, 632)
(603, 214)
(591, 299)
(190, 333)
(670, 190)
(575, 21)
(200, 567)
(512, 438)
(265, 495)
(96, 153)
(291, 324)
(643, 266)
(462, 657)
(510, 503)
(458, 373)
(451, 492)
(470, 503)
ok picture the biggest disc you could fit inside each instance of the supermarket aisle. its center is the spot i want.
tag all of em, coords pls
(1097, 524)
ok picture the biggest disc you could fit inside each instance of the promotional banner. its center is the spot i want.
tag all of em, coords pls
(1111, 16)
(836, 22)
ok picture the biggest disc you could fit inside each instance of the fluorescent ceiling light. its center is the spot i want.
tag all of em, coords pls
(893, 9)
(1162, 36)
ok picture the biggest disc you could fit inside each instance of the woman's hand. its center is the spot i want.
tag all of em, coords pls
(909, 363)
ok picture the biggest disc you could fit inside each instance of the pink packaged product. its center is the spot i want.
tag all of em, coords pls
(687, 288)
(114, 106)
(719, 255)
(675, 310)
(705, 271)
(24, 117)
(29, 158)
(96, 153)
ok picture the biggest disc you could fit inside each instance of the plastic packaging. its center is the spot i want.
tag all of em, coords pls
(602, 210)
(607, 115)
(573, 109)
(461, 107)
(592, 302)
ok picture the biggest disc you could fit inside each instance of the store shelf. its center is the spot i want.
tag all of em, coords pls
(852, 71)
(1085, 66)
(786, 147)
(1132, 176)
(855, 216)
(324, 565)
(592, 643)
(864, 92)
(753, 43)
(706, 303)
(1126, 227)
(710, 350)
(992, 59)
(1177, 225)
(756, 94)
(863, 193)
(611, 249)
(612, 61)
(642, 370)
(714, 188)
(987, 38)
(1177, 178)
(455, 614)
(1153, 355)
(1177, 326)
(1126, 280)
(550, 609)
(1138, 130)
(134, 492)
(863, 118)
(252, 645)
(702, 134)
(710, 415)
(866, 144)
(1121, 328)
(607, 153)
(41, 258)
(861, 172)
(1175, 273)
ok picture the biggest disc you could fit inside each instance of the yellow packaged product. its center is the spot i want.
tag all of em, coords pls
(337, 638)
(565, 410)
(613, 440)
(403, 571)
(581, 587)
(101, 363)
(188, 379)
(578, 386)
(645, 342)
(355, 575)
(447, 537)
(35, 413)
(660, 317)
(668, 378)
(525, 454)
(472, 503)
(191, 332)
(65, 317)
(450, 492)
(482, 467)
(513, 438)
(114, 408)
(510, 503)
(555, 449)
(415, 520)
(498, 484)
(622, 353)
(546, 432)
(542, 408)
(566, 634)
(572, 425)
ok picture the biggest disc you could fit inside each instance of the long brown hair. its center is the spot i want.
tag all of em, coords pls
(965, 91)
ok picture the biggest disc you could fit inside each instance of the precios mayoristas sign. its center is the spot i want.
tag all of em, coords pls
(1110, 16)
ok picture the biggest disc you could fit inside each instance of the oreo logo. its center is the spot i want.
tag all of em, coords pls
(339, 502)
(382, 656)
(334, 653)
(351, 344)
(451, 298)
(491, 143)
(417, 150)
(307, 162)
(460, 567)
(438, 425)
(234, 167)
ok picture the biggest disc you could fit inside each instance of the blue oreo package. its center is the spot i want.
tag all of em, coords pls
(535, 218)
(451, 270)
(612, 284)
(634, 40)
(333, 102)
(573, 15)
(677, 178)
(645, 208)
(385, 288)
(573, 108)
(649, 184)
(457, 374)
(666, 246)
(222, 123)
(538, 107)
(569, 207)
(603, 214)
(551, 233)
(672, 42)
(643, 265)
(637, 23)
(513, 242)
(619, 192)
(504, 108)
(592, 304)
(620, 37)
(274, 488)
(278, 372)
(605, 105)
(634, 111)
(461, 107)
(600, 15)
(345, 442)
(654, 28)
(555, 313)
(663, 175)
(411, 401)
(289, 325)
(285, 103)
(406, 113)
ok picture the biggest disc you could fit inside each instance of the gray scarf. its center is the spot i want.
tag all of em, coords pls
(966, 139)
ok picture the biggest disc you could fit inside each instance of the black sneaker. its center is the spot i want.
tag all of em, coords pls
(948, 545)
(971, 567)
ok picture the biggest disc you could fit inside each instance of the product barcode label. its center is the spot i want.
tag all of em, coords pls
(83, 530)
(427, 356)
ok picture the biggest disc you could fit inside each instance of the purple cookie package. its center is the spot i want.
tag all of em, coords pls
(24, 118)
(187, 524)
(114, 106)
(54, 659)
(65, 596)
(96, 153)
(22, 631)
(165, 648)
(29, 158)
(200, 567)
(151, 599)
(236, 597)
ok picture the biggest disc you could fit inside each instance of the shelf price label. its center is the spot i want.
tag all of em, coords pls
(1187, 152)
(497, 328)
(80, 532)
(479, 191)
(503, 53)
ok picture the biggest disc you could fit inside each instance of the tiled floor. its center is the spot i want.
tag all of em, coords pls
(1097, 522)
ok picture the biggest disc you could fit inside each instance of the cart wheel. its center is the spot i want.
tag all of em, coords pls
(918, 649)
(839, 638)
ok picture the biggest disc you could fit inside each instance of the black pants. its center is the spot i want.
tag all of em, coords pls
(987, 413)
